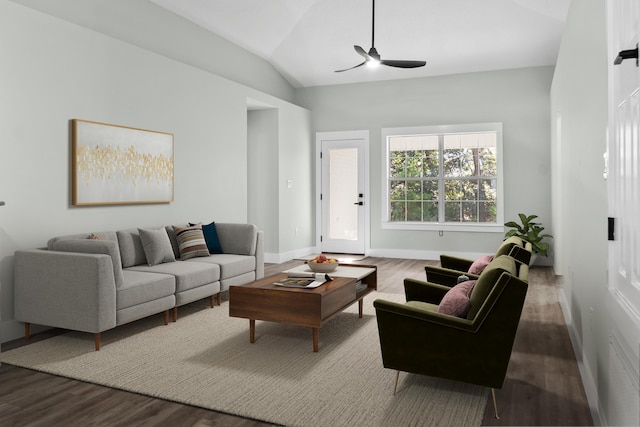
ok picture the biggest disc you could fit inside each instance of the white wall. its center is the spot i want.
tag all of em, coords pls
(52, 71)
(597, 324)
(517, 98)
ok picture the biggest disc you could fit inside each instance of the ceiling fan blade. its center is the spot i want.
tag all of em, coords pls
(362, 52)
(403, 64)
(355, 66)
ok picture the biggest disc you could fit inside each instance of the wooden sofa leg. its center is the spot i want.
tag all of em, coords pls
(219, 298)
(495, 405)
(166, 317)
(27, 330)
(395, 386)
(175, 314)
(96, 337)
(212, 301)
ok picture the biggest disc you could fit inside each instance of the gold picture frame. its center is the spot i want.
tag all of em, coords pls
(119, 165)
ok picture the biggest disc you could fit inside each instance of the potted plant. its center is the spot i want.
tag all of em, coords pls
(529, 231)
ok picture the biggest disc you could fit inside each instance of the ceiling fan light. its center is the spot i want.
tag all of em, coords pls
(373, 63)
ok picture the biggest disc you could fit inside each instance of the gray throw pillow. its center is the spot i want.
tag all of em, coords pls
(157, 246)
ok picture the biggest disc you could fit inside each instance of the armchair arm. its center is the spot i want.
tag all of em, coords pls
(417, 290)
(65, 290)
(400, 310)
(446, 276)
(455, 263)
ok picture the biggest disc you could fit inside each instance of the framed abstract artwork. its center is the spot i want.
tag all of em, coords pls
(118, 165)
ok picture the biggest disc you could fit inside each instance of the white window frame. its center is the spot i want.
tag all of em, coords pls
(498, 227)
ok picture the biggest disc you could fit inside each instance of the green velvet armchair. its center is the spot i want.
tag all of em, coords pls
(452, 267)
(416, 338)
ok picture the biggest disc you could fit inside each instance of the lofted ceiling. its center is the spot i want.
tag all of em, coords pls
(307, 40)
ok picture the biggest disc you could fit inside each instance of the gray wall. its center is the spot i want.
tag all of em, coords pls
(53, 71)
(154, 28)
(280, 151)
(517, 98)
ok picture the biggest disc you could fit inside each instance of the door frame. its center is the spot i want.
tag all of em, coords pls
(336, 136)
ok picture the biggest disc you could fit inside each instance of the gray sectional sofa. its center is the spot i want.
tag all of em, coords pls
(93, 282)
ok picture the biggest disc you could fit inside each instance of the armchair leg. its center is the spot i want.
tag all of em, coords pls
(395, 386)
(495, 405)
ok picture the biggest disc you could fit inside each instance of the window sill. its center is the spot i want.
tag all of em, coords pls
(464, 227)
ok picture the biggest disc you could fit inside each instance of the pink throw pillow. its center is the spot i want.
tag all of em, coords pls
(456, 301)
(478, 265)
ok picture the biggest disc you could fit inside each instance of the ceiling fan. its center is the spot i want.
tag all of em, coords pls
(372, 58)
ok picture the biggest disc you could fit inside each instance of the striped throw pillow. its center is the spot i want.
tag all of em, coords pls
(191, 242)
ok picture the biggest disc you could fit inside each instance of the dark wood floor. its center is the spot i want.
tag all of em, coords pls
(543, 385)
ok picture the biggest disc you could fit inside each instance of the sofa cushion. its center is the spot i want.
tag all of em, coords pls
(140, 288)
(92, 246)
(231, 265)
(188, 275)
(156, 245)
(456, 301)
(479, 265)
(191, 242)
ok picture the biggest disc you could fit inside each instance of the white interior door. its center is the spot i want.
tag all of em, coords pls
(342, 192)
(624, 153)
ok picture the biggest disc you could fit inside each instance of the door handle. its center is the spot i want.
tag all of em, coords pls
(359, 203)
(626, 54)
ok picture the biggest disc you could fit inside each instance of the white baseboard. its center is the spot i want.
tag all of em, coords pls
(279, 258)
(590, 388)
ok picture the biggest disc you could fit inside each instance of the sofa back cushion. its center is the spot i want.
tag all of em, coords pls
(131, 250)
(90, 246)
(240, 239)
(507, 244)
(487, 280)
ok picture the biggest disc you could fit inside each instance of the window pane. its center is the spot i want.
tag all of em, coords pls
(414, 190)
(430, 190)
(487, 212)
(431, 164)
(414, 211)
(430, 211)
(469, 190)
(452, 190)
(396, 166)
(469, 211)
(398, 211)
(488, 163)
(488, 189)
(452, 211)
(413, 165)
(397, 190)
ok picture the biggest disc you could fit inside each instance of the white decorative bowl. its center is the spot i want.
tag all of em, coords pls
(326, 267)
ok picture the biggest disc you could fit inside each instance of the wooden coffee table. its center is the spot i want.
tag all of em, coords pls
(262, 300)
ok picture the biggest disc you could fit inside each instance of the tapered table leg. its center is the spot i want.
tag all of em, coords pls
(315, 339)
(252, 331)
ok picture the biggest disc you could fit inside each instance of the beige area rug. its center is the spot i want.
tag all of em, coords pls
(346, 258)
(206, 360)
